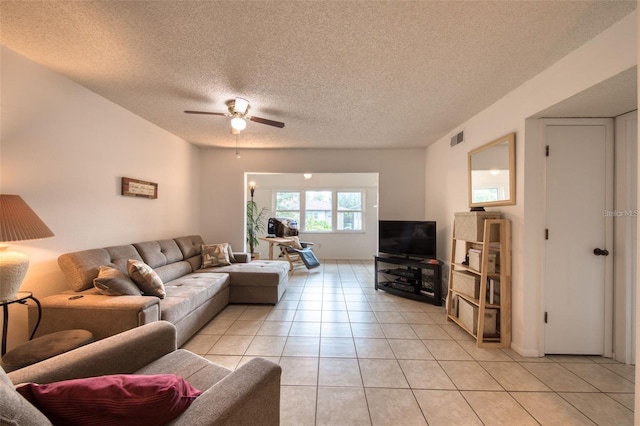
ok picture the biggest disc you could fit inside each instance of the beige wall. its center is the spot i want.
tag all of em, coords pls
(606, 55)
(64, 150)
(401, 182)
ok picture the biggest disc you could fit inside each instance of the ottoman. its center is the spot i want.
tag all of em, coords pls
(44, 347)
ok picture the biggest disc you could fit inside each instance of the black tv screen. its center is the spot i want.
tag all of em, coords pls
(407, 238)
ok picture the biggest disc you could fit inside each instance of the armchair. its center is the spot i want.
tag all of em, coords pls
(247, 396)
(302, 252)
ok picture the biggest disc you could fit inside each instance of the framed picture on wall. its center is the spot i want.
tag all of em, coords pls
(139, 188)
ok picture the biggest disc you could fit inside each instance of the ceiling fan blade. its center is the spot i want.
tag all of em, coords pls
(267, 122)
(207, 113)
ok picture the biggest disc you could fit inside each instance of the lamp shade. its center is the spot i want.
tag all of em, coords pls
(238, 123)
(18, 222)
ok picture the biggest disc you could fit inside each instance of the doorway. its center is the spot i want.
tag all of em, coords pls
(330, 243)
(578, 251)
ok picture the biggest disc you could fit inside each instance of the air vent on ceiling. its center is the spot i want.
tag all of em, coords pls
(456, 139)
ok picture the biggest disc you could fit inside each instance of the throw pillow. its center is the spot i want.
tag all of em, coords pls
(113, 282)
(215, 255)
(146, 278)
(112, 400)
(232, 258)
(296, 243)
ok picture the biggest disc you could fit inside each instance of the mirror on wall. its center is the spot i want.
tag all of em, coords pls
(492, 173)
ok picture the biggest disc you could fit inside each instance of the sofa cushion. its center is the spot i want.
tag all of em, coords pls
(173, 270)
(187, 293)
(113, 282)
(165, 258)
(159, 253)
(113, 399)
(146, 278)
(14, 409)
(80, 268)
(198, 371)
(120, 255)
(215, 255)
(191, 246)
(257, 273)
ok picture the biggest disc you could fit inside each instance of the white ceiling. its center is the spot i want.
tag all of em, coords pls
(340, 74)
(610, 98)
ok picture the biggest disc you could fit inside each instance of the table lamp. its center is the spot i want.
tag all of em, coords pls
(17, 223)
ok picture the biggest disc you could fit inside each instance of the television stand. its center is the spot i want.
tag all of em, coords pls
(419, 280)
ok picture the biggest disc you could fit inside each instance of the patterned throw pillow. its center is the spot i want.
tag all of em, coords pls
(146, 278)
(215, 255)
(113, 282)
(232, 258)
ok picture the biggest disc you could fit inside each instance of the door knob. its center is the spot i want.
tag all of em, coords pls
(601, 252)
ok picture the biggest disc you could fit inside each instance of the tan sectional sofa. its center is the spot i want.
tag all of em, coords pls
(193, 295)
(250, 395)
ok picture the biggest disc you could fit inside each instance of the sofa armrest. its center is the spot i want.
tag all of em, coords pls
(242, 257)
(248, 396)
(124, 353)
(102, 315)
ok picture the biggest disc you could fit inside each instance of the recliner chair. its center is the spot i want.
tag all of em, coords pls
(297, 251)
(295, 255)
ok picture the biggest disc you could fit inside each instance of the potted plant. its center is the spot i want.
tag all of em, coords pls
(255, 225)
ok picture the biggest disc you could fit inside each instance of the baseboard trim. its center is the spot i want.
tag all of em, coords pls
(526, 353)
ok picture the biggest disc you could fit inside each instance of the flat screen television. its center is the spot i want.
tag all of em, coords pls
(407, 238)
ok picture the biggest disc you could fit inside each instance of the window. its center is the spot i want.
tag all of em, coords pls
(318, 211)
(322, 210)
(482, 195)
(288, 205)
(349, 211)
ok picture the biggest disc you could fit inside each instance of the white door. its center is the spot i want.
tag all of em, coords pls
(578, 283)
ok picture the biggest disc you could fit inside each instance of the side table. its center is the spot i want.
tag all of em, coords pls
(21, 297)
(274, 240)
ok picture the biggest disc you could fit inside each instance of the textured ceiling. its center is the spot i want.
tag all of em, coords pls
(610, 98)
(340, 74)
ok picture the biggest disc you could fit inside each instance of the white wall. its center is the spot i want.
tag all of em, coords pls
(637, 307)
(608, 54)
(625, 231)
(64, 150)
(401, 182)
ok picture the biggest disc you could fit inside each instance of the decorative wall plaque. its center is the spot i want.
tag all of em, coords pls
(139, 188)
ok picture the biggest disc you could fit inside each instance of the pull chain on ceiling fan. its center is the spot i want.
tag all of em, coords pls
(238, 110)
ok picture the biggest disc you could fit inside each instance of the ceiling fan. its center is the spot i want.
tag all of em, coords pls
(239, 109)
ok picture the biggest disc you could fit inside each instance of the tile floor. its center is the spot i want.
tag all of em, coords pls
(351, 355)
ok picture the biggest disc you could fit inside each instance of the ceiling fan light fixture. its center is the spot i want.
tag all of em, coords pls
(240, 106)
(238, 123)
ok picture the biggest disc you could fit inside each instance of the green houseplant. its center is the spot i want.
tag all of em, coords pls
(255, 224)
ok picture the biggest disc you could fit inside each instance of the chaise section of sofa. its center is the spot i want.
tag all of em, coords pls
(193, 295)
(257, 281)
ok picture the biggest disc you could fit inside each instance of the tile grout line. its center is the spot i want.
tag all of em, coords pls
(332, 284)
